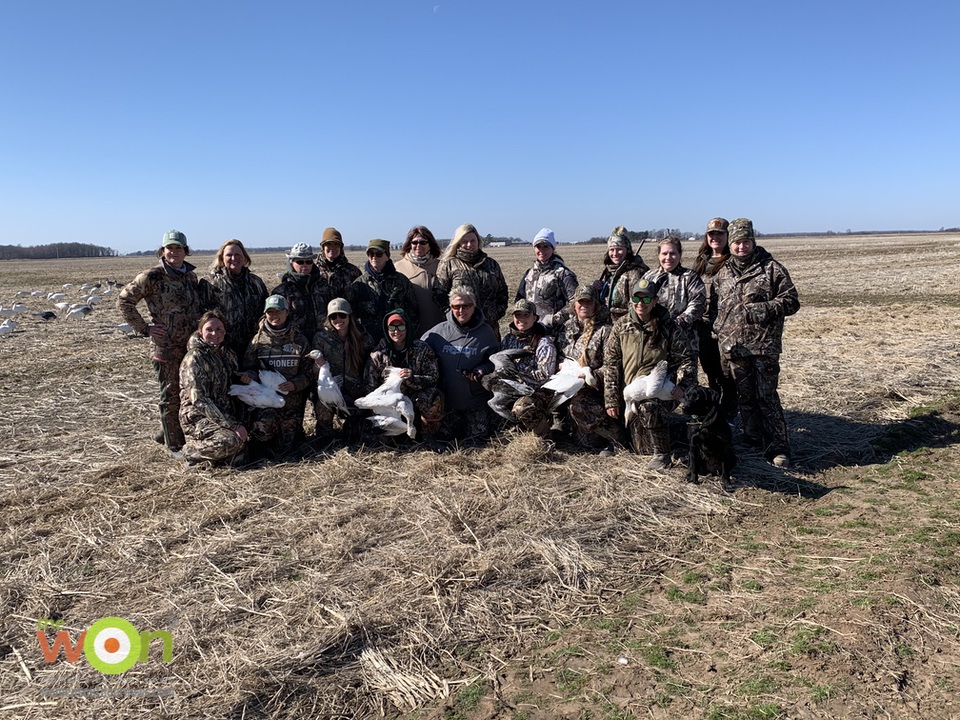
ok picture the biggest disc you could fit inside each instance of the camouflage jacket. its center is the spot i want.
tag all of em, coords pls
(540, 366)
(681, 293)
(629, 353)
(308, 296)
(205, 377)
(751, 304)
(174, 299)
(616, 284)
(574, 344)
(335, 352)
(371, 295)
(550, 286)
(708, 275)
(284, 351)
(337, 275)
(241, 299)
(417, 356)
(483, 276)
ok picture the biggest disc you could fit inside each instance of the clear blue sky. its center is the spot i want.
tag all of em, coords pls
(268, 121)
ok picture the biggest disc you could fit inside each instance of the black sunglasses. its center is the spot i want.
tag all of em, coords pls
(643, 299)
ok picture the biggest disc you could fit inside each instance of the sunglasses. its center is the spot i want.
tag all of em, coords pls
(397, 328)
(374, 253)
(642, 299)
(299, 261)
(419, 242)
(459, 308)
(338, 316)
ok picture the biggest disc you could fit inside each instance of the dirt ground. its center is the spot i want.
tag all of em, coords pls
(522, 580)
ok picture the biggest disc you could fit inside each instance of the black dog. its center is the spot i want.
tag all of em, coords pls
(710, 437)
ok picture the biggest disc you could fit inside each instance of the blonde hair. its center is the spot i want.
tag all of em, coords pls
(218, 260)
(458, 236)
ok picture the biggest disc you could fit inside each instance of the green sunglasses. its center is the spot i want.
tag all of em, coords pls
(645, 299)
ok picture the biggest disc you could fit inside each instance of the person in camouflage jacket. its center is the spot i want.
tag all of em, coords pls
(622, 269)
(681, 290)
(304, 288)
(337, 272)
(582, 340)
(213, 432)
(418, 368)
(754, 294)
(175, 300)
(549, 284)
(344, 345)
(280, 346)
(379, 288)
(638, 342)
(241, 294)
(464, 264)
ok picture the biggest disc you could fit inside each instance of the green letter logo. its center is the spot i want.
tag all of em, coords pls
(112, 645)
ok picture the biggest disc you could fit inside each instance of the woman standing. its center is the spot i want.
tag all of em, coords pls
(464, 264)
(621, 271)
(175, 299)
(335, 270)
(713, 253)
(681, 290)
(418, 262)
(379, 288)
(241, 294)
(754, 295)
(213, 432)
(549, 284)
(305, 289)
(346, 348)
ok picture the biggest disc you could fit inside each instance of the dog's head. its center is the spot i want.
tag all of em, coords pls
(699, 401)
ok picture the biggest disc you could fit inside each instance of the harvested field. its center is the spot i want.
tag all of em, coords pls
(520, 580)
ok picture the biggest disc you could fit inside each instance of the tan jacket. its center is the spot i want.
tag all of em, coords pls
(425, 288)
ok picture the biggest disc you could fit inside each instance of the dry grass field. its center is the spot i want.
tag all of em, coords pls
(520, 581)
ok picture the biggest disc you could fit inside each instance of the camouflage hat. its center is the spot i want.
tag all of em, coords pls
(718, 224)
(275, 302)
(174, 237)
(339, 305)
(378, 244)
(301, 251)
(619, 238)
(331, 235)
(587, 292)
(524, 306)
(741, 229)
(645, 288)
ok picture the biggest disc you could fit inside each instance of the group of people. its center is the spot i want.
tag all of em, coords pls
(436, 316)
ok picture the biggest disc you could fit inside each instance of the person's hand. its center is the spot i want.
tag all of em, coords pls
(405, 373)
(157, 331)
(676, 393)
(320, 361)
(614, 412)
(286, 386)
(242, 433)
(244, 378)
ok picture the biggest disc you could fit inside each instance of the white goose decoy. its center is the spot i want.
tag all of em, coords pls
(56, 297)
(78, 312)
(263, 394)
(127, 329)
(567, 381)
(5, 329)
(656, 385)
(328, 392)
(388, 402)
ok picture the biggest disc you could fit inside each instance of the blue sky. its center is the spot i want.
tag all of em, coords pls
(270, 121)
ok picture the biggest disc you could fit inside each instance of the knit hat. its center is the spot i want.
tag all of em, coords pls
(331, 235)
(339, 305)
(545, 236)
(378, 244)
(587, 292)
(301, 251)
(741, 229)
(619, 238)
(174, 237)
(718, 224)
(275, 302)
(525, 306)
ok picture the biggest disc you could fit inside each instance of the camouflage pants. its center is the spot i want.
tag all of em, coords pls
(472, 426)
(168, 375)
(207, 440)
(715, 368)
(280, 428)
(648, 430)
(761, 413)
(591, 419)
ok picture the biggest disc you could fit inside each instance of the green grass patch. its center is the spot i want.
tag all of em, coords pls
(810, 641)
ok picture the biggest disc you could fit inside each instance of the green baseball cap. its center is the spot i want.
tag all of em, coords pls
(174, 237)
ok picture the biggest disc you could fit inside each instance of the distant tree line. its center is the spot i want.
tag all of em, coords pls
(54, 251)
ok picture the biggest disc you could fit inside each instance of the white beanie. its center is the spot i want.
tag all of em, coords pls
(545, 236)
